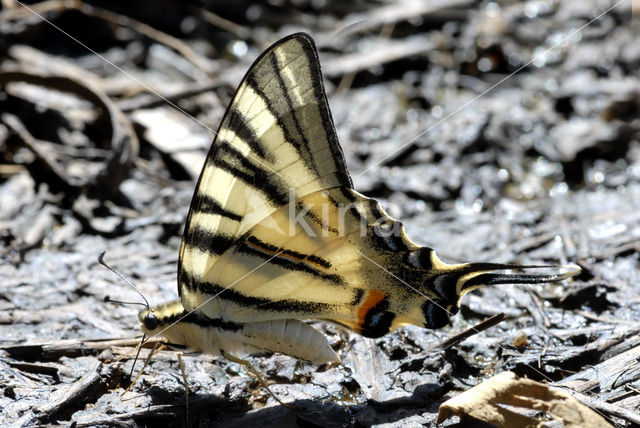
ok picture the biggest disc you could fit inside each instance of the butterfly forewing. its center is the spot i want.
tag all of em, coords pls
(276, 142)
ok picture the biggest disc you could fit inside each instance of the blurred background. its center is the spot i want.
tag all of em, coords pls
(503, 131)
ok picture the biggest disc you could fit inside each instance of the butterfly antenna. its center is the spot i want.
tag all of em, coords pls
(125, 280)
(108, 299)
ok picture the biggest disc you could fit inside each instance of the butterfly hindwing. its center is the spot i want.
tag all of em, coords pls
(325, 257)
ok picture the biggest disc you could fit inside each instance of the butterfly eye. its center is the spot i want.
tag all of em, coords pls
(150, 321)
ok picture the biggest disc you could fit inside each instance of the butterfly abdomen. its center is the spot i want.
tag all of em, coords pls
(291, 337)
(213, 335)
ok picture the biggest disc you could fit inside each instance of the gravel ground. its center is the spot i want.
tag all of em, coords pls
(496, 131)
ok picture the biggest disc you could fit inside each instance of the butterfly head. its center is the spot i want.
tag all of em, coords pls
(166, 320)
(148, 320)
(158, 320)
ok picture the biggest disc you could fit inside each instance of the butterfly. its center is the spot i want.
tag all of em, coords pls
(276, 233)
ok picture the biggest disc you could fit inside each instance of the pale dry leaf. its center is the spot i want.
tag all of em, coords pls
(487, 401)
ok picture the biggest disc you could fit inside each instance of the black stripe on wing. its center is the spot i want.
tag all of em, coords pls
(237, 123)
(290, 122)
(285, 118)
(320, 94)
(324, 223)
(269, 184)
(289, 259)
(208, 241)
(208, 205)
(194, 317)
(283, 306)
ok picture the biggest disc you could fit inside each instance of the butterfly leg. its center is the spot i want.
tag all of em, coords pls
(186, 386)
(146, 363)
(252, 370)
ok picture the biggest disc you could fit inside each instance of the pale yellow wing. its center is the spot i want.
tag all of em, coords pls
(276, 231)
(336, 255)
(276, 143)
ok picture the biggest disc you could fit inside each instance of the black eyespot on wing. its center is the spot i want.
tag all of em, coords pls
(420, 258)
(445, 285)
(436, 314)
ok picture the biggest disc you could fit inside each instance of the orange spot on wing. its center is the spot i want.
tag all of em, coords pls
(372, 298)
(291, 257)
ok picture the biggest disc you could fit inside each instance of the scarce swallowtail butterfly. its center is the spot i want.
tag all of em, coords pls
(276, 234)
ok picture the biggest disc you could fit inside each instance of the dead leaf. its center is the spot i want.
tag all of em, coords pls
(487, 402)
